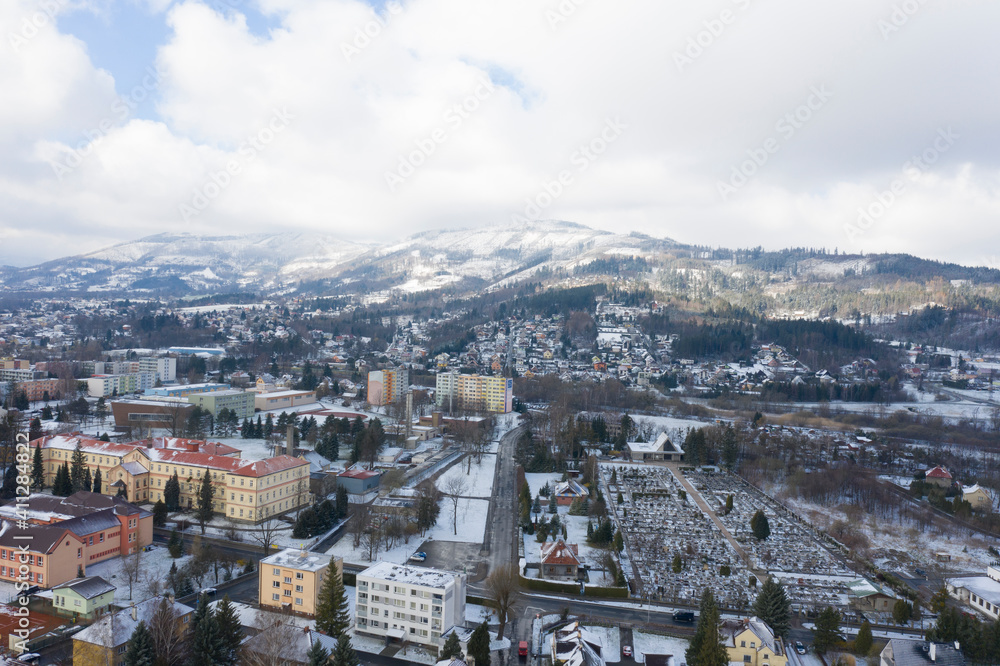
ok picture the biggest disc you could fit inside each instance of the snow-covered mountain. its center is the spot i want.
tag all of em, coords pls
(270, 263)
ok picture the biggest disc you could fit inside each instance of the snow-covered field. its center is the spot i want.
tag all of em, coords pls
(647, 643)
(478, 480)
(471, 529)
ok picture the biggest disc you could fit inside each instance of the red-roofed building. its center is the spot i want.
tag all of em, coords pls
(560, 561)
(359, 481)
(940, 477)
(245, 490)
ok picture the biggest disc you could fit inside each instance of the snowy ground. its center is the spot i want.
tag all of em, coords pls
(154, 567)
(475, 614)
(478, 480)
(610, 640)
(900, 545)
(646, 643)
(576, 533)
(471, 529)
(536, 481)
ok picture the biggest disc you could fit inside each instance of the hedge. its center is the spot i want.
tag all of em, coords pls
(541, 585)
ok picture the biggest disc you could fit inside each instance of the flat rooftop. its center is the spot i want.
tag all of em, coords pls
(401, 573)
(303, 560)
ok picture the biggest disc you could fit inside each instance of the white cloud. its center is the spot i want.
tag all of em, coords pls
(557, 83)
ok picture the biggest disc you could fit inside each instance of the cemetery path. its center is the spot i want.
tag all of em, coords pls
(707, 510)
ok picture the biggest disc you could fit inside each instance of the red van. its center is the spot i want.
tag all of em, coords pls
(522, 649)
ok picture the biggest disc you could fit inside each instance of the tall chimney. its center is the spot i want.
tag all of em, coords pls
(290, 440)
(409, 413)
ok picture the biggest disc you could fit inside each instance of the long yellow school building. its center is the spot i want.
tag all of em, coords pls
(245, 490)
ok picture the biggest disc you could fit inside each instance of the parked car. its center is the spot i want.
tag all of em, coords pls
(418, 556)
(210, 591)
(627, 651)
(920, 572)
(522, 649)
(799, 647)
(683, 616)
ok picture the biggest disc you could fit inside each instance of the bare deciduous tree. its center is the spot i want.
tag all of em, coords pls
(502, 584)
(272, 644)
(131, 568)
(168, 640)
(264, 533)
(454, 487)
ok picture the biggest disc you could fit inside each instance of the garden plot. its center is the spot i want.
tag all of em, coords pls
(814, 577)
(576, 533)
(657, 525)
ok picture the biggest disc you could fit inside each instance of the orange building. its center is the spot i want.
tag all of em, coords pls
(50, 554)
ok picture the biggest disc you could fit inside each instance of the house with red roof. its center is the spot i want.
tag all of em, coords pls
(939, 477)
(560, 561)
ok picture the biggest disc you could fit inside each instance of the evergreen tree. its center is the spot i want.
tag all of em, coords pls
(206, 647)
(97, 481)
(553, 505)
(230, 630)
(677, 564)
(730, 448)
(175, 545)
(268, 426)
(172, 493)
(759, 525)
(705, 648)
(76, 471)
(452, 648)
(729, 504)
(88, 482)
(205, 510)
(159, 513)
(37, 468)
(863, 642)
(140, 650)
(332, 614)
(62, 486)
(827, 630)
(258, 429)
(318, 655)
(773, 607)
(479, 645)
(342, 502)
(901, 611)
(344, 654)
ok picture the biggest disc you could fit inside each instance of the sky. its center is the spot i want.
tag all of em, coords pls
(860, 125)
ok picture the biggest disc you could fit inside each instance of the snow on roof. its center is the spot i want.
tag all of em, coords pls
(401, 573)
(108, 633)
(974, 488)
(938, 473)
(981, 586)
(225, 463)
(283, 394)
(303, 560)
(863, 587)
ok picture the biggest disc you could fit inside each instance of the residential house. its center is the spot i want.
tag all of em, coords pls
(907, 652)
(751, 641)
(940, 477)
(981, 593)
(978, 497)
(560, 561)
(865, 596)
(106, 641)
(659, 450)
(573, 645)
(567, 491)
(83, 597)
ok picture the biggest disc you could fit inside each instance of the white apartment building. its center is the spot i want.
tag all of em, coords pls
(164, 367)
(409, 604)
(108, 385)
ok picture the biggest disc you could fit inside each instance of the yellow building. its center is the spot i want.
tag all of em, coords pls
(292, 579)
(978, 497)
(751, 641)
(245, 490)
(106, 641)
(475, 392)
(387, 386)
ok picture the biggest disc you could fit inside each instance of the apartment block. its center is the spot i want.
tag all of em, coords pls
(409, 604)
(186, 390)
(292, 579)
(43, 555)
(474, 392)
(108, 385)
(235, 400)
(387, 386)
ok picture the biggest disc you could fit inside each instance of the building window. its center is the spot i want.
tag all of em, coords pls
(276, 597)
(275, 583)
(298, 601)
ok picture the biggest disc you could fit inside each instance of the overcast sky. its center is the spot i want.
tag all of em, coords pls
(723, 122)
